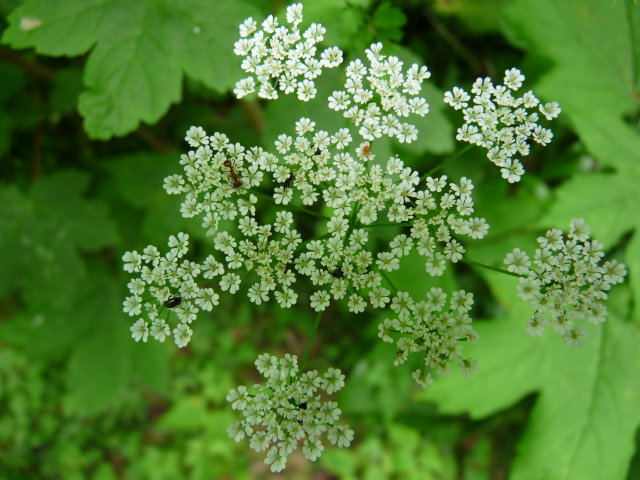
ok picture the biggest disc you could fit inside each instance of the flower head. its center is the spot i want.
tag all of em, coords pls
(566, 282)
(288, 409)
(281, 58)
(501, 122)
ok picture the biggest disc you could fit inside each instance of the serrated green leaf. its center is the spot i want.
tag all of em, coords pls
(142, 48)
(592, 48)
(389, 20)
(594, 77)
(584, 420)
(70, 29)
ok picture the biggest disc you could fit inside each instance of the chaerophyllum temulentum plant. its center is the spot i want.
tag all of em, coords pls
(335, 179)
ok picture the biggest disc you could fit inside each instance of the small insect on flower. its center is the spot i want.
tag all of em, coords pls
(173, 302)
(233, 175)
(366, 149)
(287, 182)
(337, 273)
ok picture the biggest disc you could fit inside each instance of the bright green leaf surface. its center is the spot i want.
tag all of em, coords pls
(591, 45)
(141, 51)
(594, 49)
(585, 417)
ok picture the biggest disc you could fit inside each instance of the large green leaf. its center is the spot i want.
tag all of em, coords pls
(592, 45)
(41, 234)
(583, 423)
(139, 51)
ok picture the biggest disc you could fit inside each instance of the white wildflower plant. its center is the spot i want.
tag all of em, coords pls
(288, 410)
(281, 58)
(334, 179)
(376, 96)
(502, 122)
(566, 282)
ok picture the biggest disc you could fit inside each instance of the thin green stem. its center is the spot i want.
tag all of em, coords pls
(312, 337)
(352, 223)
(450, 158)
(302, 209)
(375, 225)
(388, 280)
(495, 269)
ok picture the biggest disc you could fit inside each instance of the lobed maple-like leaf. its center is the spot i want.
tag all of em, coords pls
(138, 51)
(583, 423)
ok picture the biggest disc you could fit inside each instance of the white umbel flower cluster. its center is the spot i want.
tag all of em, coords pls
(435, 327)
(280, 58)
(164, 283)
(566, 281)
(222, 181)
(502, 122)
(377, 95)
(288, 410)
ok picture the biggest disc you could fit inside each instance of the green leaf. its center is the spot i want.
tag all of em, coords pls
(41, 234)
(591, 45)
(477, 15)
(99, 366)
(139, 52)
(389, 20)
(70, 29)
(587, 394)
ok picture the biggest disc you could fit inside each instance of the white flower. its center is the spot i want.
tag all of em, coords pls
(286, 408)
(140, 330)
(500, 122)
(320, 300)
(382, 93)
(282, 55)
(182, 335)
(566, 282)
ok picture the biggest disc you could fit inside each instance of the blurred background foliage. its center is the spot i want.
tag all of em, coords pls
(96, 96)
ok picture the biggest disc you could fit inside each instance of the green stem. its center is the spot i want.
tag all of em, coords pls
(388, 280)
(352, 223)
(450, 158)
(495, 269)
(312, 337)
(374, 225)
(302, 209)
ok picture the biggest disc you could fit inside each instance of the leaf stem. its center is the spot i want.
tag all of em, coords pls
(297, 207)
(388, 280)
(450, 158)
(312, 337)
(495, 269)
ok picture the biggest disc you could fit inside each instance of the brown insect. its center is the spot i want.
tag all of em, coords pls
(366, 149)
(233, 175)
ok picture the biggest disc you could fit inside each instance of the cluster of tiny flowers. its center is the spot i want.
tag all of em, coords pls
(288, 409)
(566, 281)
(502, 122)
(376, 95)
(281, 58)
(435, 327)
(312, 166)
(167, 283)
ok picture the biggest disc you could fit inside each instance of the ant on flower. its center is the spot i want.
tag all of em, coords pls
(235, 178)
